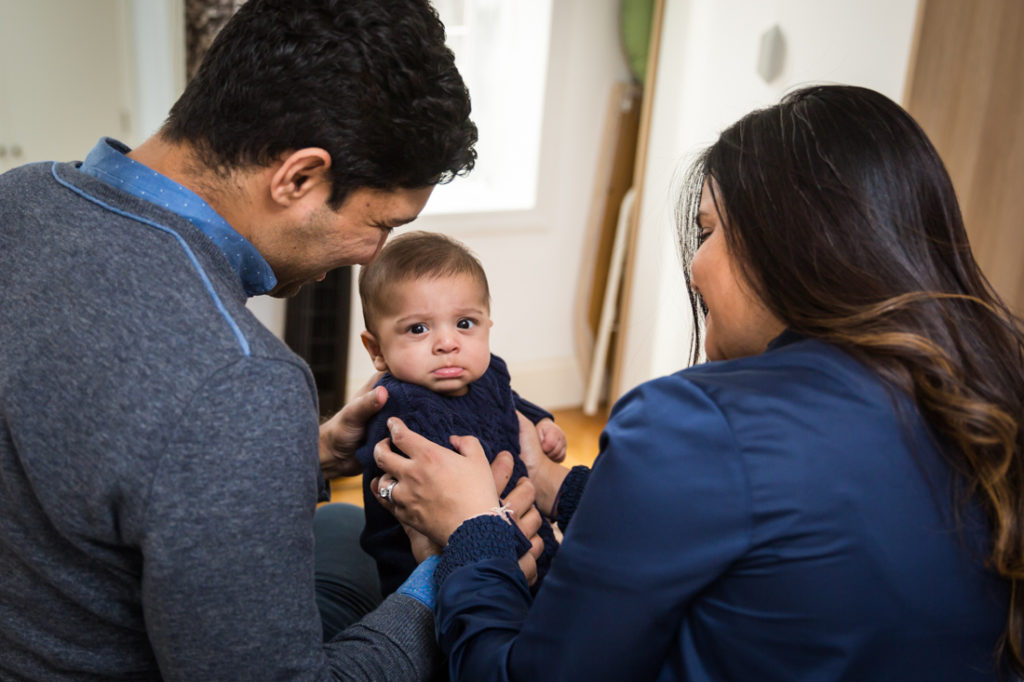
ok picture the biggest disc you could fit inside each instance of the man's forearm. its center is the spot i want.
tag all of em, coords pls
(395, 642)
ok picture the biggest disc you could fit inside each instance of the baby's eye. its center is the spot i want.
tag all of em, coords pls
(466, 323)
(703, 236)
(418, 328)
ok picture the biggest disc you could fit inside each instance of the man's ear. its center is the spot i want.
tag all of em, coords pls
(373, 348)
(298, 173)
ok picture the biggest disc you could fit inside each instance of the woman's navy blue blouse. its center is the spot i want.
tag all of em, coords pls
(778, 517)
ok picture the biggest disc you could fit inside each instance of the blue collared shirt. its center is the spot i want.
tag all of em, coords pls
(108, 162)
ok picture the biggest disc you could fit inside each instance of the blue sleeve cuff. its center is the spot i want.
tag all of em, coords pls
(420, 584)
(569, 495)
(480, 538)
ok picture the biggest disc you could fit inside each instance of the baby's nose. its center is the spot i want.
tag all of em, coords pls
(446, 342)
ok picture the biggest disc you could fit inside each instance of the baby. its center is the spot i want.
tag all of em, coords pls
(426, 306)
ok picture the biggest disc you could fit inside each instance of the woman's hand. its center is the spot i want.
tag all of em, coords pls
(413, 505)
(523, 511)
(545, 474)
(342, 434)
(437, 488)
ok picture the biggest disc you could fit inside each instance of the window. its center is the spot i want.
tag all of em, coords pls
(501, 50)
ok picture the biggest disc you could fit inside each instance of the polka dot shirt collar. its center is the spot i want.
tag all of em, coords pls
(108, 162)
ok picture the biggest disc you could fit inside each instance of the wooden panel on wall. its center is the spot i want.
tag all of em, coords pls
(965, 89)
(614, 178)
(643, 139)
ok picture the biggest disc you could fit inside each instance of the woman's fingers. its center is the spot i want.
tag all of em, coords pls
(528, 519)
(389, 461)
(528, 565)
(521, 499)
(438, 488)
(528, 562)
(501, 468)
(529, 523)
(536, 547)
(530, 449)
(469, 447)
(384, 488)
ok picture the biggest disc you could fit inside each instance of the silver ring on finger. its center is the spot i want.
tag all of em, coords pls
(385, 492)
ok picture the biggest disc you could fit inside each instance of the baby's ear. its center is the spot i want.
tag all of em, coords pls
(373, 348)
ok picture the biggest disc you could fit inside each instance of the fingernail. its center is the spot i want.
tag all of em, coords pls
(392, 425)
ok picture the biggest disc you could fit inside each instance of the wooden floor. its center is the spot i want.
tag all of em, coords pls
(581, 433)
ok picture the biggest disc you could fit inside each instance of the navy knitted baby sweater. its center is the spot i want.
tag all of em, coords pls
(487, 411)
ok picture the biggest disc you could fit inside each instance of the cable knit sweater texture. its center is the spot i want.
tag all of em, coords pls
(487, 411)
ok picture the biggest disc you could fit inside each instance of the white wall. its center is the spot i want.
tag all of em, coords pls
(706, 80)
(533, 258)
(53, 103)
(158, 43)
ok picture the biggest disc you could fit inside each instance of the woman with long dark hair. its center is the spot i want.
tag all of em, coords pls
(838, 494)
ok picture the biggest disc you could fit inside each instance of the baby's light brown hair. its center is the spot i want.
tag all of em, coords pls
(414, 255)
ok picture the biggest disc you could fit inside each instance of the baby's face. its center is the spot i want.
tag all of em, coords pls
(438, 335)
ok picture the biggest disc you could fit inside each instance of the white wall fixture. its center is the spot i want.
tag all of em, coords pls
(771, 54)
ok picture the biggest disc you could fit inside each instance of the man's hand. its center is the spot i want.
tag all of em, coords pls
(552, 439)
(422, 546)
(342, 434)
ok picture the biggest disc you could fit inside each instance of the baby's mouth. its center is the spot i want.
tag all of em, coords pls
(447, 372)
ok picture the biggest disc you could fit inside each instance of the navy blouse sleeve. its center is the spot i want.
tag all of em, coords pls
(665, 511)
(569, 494)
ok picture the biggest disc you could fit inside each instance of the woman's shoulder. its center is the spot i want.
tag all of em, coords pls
(799, 365)
(777, 392)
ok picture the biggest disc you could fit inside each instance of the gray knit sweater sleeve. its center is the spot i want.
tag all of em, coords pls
(394, 642)
(228, 546)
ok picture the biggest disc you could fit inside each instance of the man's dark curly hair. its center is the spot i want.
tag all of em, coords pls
(370, 81)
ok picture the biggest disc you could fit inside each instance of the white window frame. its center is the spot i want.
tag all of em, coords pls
(502, 50)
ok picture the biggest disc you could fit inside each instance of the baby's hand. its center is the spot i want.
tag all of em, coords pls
(552, 439)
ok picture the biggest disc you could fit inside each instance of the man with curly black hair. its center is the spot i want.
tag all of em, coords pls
(158, 446)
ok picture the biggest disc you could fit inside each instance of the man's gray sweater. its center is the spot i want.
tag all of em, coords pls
(158, 459)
